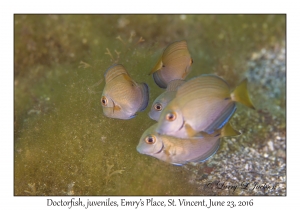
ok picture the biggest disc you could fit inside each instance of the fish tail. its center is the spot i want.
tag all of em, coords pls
(157, 76)
(241, 95)
(145, 96)
(228, 130)
(157, 66)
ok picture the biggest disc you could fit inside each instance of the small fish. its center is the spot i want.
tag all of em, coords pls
(204, 104)
(163, 99)
(179, 151)
(122, 97)
(174, 64)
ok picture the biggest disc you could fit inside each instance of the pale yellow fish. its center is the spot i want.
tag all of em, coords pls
(204, 103)
(122, 97)
(179, 151)
(173, 64)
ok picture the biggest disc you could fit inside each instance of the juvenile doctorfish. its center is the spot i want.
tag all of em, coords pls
(173, 64)
(122, 97)
(163, 99)
(180, 151)
(204, 104)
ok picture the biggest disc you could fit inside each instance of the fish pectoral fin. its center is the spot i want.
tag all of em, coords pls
(190, 131)
(167, 151)
(228, 130)
(157, 66)
(116, 107)
(241, 95)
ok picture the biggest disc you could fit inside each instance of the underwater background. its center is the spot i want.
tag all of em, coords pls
(64, 145)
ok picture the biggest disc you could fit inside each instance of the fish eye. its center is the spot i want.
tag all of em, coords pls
(150, 139)
(104, 101)
(158, 107)
(171, 116)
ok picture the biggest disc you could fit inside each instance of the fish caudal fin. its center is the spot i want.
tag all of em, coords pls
(114, 71)
(145, 96)
(241, 95)
(228, 130)
(157, 66)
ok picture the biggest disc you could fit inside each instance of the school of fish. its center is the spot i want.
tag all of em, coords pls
(192, 115)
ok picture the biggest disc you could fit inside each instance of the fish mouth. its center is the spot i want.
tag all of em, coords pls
(162, 147)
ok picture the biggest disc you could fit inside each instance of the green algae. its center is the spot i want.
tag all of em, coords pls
(63, 143)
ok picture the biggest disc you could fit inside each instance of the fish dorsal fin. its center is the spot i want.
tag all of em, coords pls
(216, 77)
(174, 84)
(228, 130)
(114, 71)
(157, 66)
(174, 51)
(241, 95)
(204, 84)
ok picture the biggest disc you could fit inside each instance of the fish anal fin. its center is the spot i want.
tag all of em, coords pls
(208, 154)
(241, 95)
